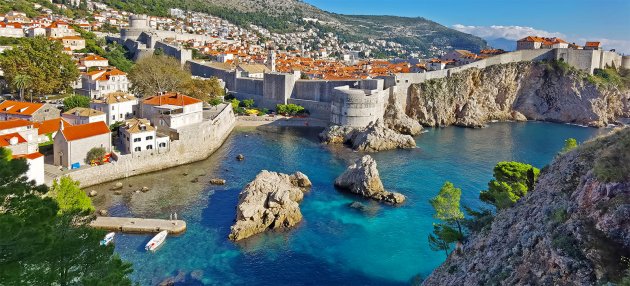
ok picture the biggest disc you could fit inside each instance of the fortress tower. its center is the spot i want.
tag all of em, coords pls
(271, 60)
(137, 25)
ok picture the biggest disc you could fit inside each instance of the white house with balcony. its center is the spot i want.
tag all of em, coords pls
(98, 83)
(172, 110)
(117, 106)
(138, 135)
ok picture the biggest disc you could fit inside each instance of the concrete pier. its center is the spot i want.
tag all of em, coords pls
(139, 225)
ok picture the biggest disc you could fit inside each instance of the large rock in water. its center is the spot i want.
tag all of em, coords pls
(376, 137)
(362, 178)
(270, 201)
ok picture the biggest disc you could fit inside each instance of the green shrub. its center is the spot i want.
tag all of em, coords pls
(290, 109)
(95, 154)
(512, 180)
(70, 197)
(567, 244)
(612, 164)
(247, 103)
(560, 215)
(215, 101)
(235, 103)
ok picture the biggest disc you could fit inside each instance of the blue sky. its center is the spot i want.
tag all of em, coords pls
(575, 20)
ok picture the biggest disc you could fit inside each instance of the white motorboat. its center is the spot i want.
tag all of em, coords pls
(156, 241)
(108, 238)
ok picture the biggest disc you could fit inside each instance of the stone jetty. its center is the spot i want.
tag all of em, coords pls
(139, 225)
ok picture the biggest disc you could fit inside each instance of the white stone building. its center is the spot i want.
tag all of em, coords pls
(90, 61)
(82, 115)
(99, 83)
(172, 110)
(117, 106)
(72, 143)
(60, 29)
(11, 30)
(139, 135)
(20, 136)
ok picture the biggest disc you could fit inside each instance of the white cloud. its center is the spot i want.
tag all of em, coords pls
(507, 32)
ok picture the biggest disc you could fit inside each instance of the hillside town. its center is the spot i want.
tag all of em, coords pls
(56, 142)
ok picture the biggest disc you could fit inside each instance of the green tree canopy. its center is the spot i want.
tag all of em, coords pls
(512, 180)
(73, 101)
(569, 145)
(202, 89)
(446, 203)
(158, 73)
(70, 197)
(50, 69)
(39, 246)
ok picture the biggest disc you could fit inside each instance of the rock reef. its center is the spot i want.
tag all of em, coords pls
(375, 137)
(362, 178)
(572, 229)
(270, 201)
(517, 92)
(396, 119)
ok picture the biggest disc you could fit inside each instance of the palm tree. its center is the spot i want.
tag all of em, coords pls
(22, 82)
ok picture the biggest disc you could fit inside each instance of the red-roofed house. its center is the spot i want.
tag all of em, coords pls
(534, 42)
(12, 30)
(172, 110)
(60, 29)
(35, 163)
(98, 83)
(592, 46)
(21, 140)
(72, 143)
(46, 130)
(30, 111)
(94, 61)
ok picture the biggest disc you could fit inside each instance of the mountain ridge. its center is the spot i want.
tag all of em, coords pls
(413, 34)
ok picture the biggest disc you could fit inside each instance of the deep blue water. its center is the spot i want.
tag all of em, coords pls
(334, 244)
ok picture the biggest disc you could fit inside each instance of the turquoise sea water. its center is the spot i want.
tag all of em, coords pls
(334, 244)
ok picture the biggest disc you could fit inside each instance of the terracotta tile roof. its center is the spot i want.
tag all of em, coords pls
(50, 126)
(115, 97)
(31, 156)
(19, 107)
(136, 125)
(85, 112)
(5, 140)
(72, 38)
(93, 58)
(15, 123)
(76, 132)
(171, 98)
(592, 44)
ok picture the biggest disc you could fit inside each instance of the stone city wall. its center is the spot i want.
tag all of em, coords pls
(197, 142)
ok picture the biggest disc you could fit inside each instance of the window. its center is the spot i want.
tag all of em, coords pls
(112, 107)
(113, 117)
(149, 138)
(137, 139)
(137, 149)
(162, 145)
(149, 147)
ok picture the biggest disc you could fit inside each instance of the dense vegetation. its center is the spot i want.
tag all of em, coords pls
(73, 101)
(45, 238)
(117, 55)
(48, 69)
(512, 180)
(160, 73)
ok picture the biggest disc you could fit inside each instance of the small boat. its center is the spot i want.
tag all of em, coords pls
(156, 241)
(108, 238)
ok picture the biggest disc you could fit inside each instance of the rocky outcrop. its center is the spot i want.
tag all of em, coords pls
(517, 91)
(362, 178)
(396, 119)
(270, 201)
(572, 229)
(375, 137)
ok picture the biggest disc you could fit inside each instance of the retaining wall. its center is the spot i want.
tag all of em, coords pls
(196, 142)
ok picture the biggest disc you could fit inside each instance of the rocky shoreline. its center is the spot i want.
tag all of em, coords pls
(270, 201)
(517, 92)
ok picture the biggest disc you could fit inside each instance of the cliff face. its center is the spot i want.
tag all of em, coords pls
(572, 229)
(516, 91)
